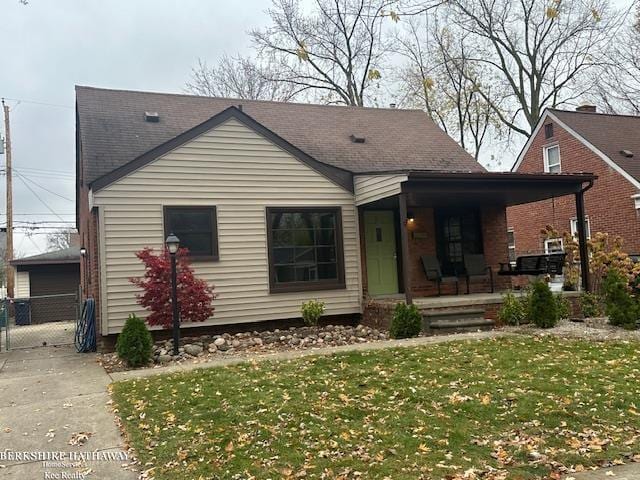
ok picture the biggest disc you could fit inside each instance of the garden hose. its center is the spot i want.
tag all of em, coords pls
(85, 340)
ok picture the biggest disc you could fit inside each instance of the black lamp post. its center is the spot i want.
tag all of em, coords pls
(173, 243)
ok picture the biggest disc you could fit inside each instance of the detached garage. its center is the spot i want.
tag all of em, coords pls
(47, 285)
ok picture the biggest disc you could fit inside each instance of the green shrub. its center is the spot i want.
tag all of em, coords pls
(591, 305)
(543, 310)
(513, 310)
(134, 344)
(312, 311)
(620, 306)
(563, 306)
(406, 321)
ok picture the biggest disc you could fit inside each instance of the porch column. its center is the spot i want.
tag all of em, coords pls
(404, 240)
(582, 241)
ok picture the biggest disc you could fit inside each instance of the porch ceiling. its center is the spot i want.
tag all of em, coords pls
(449, 189)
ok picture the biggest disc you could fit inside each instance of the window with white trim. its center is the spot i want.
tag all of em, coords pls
(552, 159)
(511, 241)
(636, 199)
(553, 245)
(574, 227)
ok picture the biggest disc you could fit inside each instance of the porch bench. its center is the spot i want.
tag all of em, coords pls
(548, 263)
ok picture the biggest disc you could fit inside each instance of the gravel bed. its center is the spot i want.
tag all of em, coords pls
(203, 348)
(595, 330)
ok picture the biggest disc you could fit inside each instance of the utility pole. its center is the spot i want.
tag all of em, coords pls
(9, 248)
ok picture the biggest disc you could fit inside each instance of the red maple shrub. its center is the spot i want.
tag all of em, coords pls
(195, 296)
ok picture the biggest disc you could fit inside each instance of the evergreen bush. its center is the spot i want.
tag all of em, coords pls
(591, 305)
(543, 308)
(134, 344)
(563, 306)
(406, 321)
(620, 306)
(513, 310)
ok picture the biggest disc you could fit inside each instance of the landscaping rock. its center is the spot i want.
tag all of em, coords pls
(197, 349)
(193, 349)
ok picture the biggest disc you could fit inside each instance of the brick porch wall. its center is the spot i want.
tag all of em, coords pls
(378, 313)
(422, 241)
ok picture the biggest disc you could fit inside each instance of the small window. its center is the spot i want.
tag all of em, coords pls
(378, 234)
(548, 130)
(511, 239)
(553, 245)
(574, 227)
(305, 249)
(197, 229)
(552, 159)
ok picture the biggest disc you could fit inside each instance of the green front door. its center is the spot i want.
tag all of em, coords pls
(380, 244)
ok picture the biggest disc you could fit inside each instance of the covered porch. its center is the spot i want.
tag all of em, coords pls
(410, 221)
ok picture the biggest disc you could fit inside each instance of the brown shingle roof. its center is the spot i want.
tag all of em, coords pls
(113, 131)
(608, 133)
(66, 255)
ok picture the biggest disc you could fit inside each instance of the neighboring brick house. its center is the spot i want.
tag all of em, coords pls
(581, 141)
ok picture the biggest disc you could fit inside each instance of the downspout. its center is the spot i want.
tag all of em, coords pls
(582, 237)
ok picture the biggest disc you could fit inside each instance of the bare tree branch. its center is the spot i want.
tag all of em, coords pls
(441, 78)
(336, 50)
(541, 53)
(617, 83)
(239, 77)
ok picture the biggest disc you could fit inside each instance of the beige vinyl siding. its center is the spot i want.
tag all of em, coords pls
(23, 285)
(241, 173)
(369, 188)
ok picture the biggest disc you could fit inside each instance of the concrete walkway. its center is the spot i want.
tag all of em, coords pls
(224, 360)
(622, 472)
(47, 397)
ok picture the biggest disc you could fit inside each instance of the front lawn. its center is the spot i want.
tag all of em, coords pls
(515, 407)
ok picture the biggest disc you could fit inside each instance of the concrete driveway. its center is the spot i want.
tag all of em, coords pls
(53, 402)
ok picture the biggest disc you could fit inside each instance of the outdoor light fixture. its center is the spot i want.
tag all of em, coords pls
(410, 217)
(173, 243)
(83, 251)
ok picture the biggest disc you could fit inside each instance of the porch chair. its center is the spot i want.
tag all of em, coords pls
(433, 272)
(476, 267)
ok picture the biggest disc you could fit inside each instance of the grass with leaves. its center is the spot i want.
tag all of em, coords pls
(514, 407)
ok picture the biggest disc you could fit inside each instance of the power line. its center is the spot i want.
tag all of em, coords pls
(34, 243)
(37, 222)
(45, 175)
(38, 171)
(34, 102)
(34, 213)
(44, 188)
(39, 198)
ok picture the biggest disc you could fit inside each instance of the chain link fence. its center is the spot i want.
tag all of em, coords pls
(38, 321)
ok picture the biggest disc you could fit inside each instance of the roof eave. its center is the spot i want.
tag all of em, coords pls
(18, 262)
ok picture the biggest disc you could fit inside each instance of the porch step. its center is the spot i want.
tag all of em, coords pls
(455, 319)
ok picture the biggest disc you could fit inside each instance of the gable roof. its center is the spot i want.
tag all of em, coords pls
(66, 255)
(113, 131)
(341, 177)
(605, 134)
(609, 134)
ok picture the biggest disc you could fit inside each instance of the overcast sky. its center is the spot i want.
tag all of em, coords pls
(48, 46)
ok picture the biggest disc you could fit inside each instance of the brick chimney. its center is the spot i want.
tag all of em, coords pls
(587, 108)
